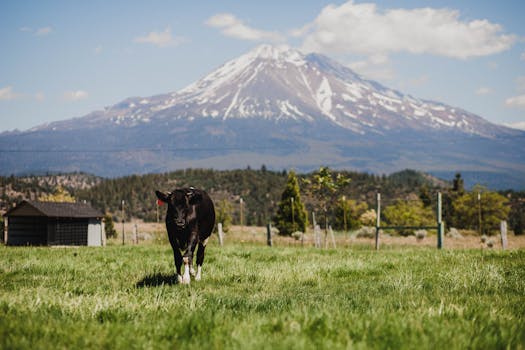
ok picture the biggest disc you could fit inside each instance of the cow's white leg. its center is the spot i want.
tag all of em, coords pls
(179, 279)
(198, 276)
(186, 276)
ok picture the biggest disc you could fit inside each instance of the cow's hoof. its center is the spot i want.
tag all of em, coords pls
(179, 279)
(198, 277)
(192, 272)
(186, 280)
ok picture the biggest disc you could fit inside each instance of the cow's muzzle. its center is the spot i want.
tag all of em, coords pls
(180, 223)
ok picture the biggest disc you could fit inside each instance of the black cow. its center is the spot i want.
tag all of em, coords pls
(189, 220)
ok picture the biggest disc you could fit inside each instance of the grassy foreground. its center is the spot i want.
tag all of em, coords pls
(255, 297)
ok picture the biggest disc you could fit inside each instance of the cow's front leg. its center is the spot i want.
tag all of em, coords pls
(200, 259)
(186, 276)
(177, 256)
(188, 258)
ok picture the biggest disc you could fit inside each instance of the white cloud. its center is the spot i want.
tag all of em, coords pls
(516, 101)
(364, 29)
(43, 31)
(75, 95)
(161, 39)
(98, 50)
(516, 125)
(7, 94)
(376, 67)
(235, 28)
(483, 91)
(38, 32)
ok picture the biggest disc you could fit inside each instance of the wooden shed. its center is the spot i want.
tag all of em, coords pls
(52, 223)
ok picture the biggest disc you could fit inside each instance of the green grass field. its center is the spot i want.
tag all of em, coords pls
(255, 297)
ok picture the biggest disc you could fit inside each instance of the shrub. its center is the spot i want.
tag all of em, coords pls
(366, 232)
(454, 233)
(420, 234)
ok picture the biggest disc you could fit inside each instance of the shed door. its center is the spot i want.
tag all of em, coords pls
(27, 230)
(69, 232)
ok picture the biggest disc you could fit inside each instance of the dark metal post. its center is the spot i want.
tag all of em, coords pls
(123, 234)
(440, 226)
(241, 218)
(479, 214)
(269, 234)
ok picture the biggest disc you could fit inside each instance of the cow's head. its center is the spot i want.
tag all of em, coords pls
(181, 205)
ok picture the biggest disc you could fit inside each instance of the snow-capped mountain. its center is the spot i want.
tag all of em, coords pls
(280, 83)
(278, 107)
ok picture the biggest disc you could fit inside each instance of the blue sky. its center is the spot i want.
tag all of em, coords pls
(64, 59)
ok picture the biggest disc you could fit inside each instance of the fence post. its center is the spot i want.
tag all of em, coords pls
(440, 226)
(332, 235)
(269, 234)
(314, 223)
(378, 218)
(220, 232)
(503, 230)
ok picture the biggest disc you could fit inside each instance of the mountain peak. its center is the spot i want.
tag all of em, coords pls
(277, 52)
(280, 83)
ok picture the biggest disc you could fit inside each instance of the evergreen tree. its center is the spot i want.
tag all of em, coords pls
(109, 227)
(449, 198)
(458, 185)
(425, 196)
(517, 213)
(291, 214)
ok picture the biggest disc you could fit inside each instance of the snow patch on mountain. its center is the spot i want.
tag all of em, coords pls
(279, 83)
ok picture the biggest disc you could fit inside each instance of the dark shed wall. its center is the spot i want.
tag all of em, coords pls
(27, 230)
(68, 231)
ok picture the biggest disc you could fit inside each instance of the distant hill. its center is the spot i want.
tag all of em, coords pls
(279, 107)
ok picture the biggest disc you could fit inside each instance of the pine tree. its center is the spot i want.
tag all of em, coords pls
(289, 220)
(109, 227)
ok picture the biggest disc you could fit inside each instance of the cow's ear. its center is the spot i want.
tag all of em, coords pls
(195, 197)
(163, 197)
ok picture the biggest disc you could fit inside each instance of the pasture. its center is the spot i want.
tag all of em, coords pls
(256, 297)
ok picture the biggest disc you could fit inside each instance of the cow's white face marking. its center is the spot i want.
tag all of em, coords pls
(198, 276)
(186, 276)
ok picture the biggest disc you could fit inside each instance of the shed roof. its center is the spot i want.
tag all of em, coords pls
(54, 209)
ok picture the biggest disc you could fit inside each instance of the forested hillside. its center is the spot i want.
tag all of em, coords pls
(261, 192)
(260, 189)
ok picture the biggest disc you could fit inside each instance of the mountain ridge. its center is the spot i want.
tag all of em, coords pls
(273, 106)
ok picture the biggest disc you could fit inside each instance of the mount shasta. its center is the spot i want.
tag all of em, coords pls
(278, 107)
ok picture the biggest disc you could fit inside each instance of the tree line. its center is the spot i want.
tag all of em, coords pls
(344, 199)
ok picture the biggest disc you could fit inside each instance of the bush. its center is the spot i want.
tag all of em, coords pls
(366, 232)
(420, 234)
(454, 233)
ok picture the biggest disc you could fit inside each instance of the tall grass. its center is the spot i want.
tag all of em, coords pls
(253, 296)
